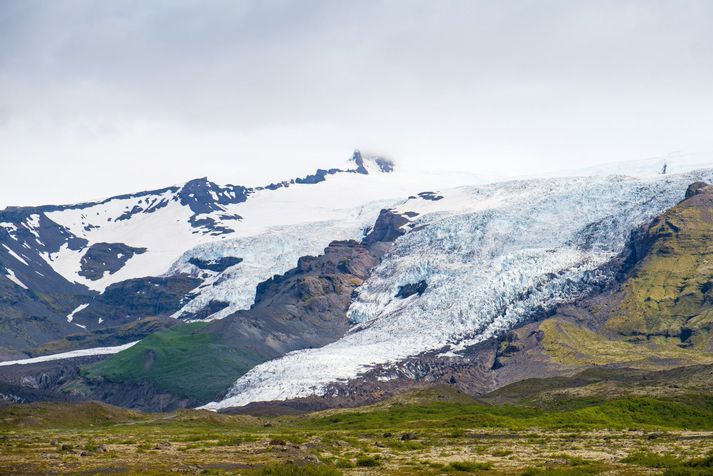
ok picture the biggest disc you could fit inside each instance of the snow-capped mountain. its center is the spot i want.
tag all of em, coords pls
(456, 267)
(150, 230)
(475, 261)
(195, 251)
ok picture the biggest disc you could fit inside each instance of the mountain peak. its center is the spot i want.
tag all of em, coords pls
(366, 164)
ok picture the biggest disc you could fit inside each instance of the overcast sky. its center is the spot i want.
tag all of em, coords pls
(102, 97)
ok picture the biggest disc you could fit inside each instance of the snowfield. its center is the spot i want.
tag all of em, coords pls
(490, 255)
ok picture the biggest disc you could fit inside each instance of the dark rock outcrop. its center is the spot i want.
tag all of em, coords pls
(217, 265)
(410, 289)
(102, 258)
(305, 307)
(138, 298)
(387, 228)
(434, 197)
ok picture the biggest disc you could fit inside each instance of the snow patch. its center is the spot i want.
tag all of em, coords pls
(12, 277)
(78, 309)
(71, 355)
(15, 255)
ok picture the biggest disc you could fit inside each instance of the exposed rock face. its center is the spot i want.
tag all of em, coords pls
(204, 196)
(27, 321)
(305, 307)
(430, 196)
(411, 289)
(134, 299)
(218, 265)
(697, 188)
(387, 228)
(384, 165)
(40, 381)
(34, 299)
(102, 258)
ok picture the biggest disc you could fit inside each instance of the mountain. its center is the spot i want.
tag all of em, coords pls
(78, 269)
(351, 285)
(304, 308)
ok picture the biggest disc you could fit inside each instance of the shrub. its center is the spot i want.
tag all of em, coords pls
(468, 466)
(299, 470)
(367, 462)
(652, 460)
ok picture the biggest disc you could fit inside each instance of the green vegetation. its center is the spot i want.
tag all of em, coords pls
(569, 344)
(429, 432)
(468, 466)
(367, 462)
(630, 412)
(298, 470)
(181, 360)
(673, 464)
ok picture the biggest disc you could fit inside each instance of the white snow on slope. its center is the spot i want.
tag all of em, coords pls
(490, 255)
(70, 355)
(15, 255)
(167, 234)
(73, 313)
(12, 277)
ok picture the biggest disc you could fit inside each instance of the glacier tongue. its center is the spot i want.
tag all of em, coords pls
(490, 256)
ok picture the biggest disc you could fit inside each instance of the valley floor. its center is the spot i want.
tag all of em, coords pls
(424, 433)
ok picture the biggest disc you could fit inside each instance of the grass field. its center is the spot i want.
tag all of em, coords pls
(422, 433)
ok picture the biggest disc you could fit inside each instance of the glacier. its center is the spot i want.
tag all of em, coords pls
(491, 256)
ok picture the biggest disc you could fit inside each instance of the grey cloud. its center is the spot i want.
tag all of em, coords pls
(172, 89)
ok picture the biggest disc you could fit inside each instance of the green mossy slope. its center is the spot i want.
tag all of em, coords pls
(182, 361)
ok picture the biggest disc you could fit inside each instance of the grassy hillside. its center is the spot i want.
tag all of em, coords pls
(573, 345)
(181, 361)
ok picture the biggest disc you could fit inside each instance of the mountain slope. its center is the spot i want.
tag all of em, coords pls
(670, 295)
(76, 269)
(193, 364)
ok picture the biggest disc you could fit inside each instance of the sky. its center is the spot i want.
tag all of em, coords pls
(99, 98)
